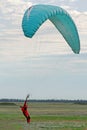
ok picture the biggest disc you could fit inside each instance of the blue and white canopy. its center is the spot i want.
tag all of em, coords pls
(36, 15)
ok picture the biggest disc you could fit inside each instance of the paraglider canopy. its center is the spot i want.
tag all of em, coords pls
(36, 15)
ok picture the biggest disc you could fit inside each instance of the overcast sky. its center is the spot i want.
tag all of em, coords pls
(45, 65)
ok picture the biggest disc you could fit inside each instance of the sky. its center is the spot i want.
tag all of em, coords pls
(44, 66)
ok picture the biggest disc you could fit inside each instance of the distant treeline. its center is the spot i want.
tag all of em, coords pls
(46, 100)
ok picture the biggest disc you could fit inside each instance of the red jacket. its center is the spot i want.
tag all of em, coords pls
(25, 111)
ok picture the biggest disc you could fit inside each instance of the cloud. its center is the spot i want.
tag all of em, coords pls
(78, 5)
(72, 0)
(11, 13)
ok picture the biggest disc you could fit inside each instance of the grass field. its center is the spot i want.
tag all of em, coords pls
(44, 116)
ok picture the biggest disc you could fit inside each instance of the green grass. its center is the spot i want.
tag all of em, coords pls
(44, 116)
